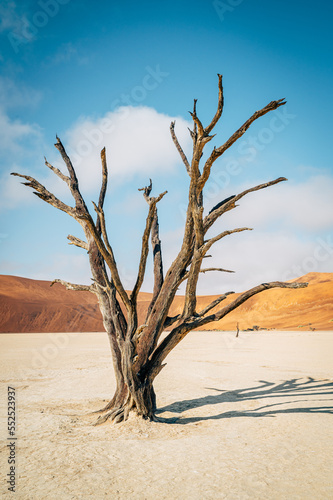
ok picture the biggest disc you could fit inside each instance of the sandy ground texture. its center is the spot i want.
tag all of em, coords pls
(246, 418)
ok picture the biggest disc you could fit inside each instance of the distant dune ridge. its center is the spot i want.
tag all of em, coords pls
(33, 306)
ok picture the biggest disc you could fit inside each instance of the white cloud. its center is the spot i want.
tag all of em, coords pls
(14, 132)
(137, 141)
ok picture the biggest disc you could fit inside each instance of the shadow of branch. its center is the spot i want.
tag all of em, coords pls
(295, 388)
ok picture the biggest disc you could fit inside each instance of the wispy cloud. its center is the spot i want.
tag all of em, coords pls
(19, 141)
(14, 132)
(67, 53)
(13, 95)
(9, 17)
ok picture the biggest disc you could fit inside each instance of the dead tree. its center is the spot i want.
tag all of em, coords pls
(237, 330)
(138, 353)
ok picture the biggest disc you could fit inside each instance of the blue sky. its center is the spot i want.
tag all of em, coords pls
(117, 75)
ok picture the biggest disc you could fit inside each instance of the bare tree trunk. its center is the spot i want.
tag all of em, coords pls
(138, 353)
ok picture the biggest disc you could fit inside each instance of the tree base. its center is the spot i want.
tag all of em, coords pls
(118, 409)
(118, 415)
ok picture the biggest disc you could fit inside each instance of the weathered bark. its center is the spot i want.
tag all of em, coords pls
(137, 352)
(157, 250)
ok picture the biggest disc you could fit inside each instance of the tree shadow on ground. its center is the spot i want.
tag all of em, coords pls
(294, 389)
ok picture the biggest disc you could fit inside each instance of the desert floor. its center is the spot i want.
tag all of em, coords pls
(241, 418)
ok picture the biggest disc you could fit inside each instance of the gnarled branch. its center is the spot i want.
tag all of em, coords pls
(58, 172)
(206, 270)
(180, 331)
(219, 110)
(179, 148)
(73, 184)
(73, 240)
(197, 123)
(74, 286)
(170, 320)
(208, 244)
(157, 250)
(103, 188)
(145, 246)
(250, 293)
(213, 304)
(45, 195)
(217, 152)
(193, 274)
(229, 203)
(106, 250)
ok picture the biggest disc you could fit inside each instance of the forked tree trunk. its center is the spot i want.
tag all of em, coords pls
(138, 354)
(139, 396)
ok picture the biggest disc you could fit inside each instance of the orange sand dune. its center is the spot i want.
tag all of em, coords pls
(33, 306)
(283, 309)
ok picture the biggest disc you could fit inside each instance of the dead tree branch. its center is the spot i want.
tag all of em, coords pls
(180, 331)
(58, 172)
(74, 286)
(179, 148)
(219, 110)
(145, 246)
(157, 250)
(73, 240)
(217, 152)
(214, 304)
(73, 183)
(207, 269)
(45, 195)
(230, 203)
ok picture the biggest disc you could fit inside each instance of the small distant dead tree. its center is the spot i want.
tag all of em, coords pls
(138, 353)
(237, 330)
